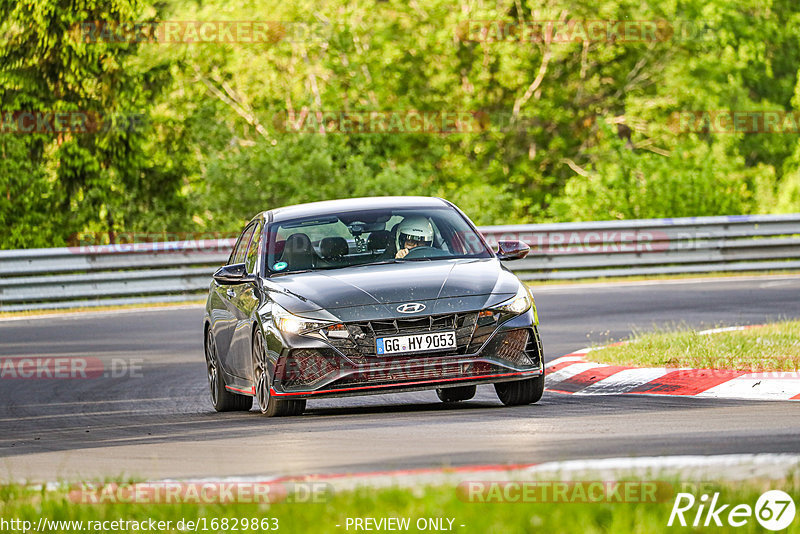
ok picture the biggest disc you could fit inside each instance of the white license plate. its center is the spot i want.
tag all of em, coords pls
(415, 343)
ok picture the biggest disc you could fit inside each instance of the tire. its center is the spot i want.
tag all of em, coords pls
(269, 405)
(520, 392)
(222, 399)
(456, 394)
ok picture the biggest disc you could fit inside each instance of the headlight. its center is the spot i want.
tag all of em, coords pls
(287, 322)
(519, 303)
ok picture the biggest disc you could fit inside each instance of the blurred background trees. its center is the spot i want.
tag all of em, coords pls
(581, 130)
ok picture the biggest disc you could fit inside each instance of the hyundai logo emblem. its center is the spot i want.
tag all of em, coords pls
(411, 307)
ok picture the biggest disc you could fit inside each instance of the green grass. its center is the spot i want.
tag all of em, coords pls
(18, 502)
(773, 347)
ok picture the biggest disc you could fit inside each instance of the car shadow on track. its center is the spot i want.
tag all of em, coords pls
(39, 416)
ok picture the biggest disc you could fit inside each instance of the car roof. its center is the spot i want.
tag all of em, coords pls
(327, 207)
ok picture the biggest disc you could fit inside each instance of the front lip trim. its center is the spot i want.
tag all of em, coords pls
(532, 373)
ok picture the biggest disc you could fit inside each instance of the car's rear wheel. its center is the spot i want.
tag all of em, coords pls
(520, 392)
(269, 405)
(221, 398)
(456, 394)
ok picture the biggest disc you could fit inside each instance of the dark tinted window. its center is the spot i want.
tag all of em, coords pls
(254, 249)
(241, 245)
(358, 238)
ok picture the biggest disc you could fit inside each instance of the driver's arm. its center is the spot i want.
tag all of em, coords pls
(401, 253)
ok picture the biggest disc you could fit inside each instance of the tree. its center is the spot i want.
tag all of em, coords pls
(109, 175)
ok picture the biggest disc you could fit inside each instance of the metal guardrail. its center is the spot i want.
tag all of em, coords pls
(180, 270)
(564, 251)
(98, 275)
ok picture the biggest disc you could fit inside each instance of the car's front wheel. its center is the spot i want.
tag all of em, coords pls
(221, 398)
(456, 394)
(520, 392)
(269, 405)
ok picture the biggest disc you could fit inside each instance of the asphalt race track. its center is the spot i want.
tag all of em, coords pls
(157, 422)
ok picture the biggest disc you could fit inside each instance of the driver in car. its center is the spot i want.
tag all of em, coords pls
(414, 231)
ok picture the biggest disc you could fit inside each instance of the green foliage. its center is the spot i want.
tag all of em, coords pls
(107, 178)
(26, 197)
(695, 178)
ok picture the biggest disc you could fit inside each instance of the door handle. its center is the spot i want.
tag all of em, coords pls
(231, 293)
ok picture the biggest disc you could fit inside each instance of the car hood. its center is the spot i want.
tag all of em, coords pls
(367, 291)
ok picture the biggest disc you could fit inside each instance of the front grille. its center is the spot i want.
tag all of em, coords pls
(484, 328)
(519, 347)
(305, 367)
(359, 346)
(534, 348)
(309, 368)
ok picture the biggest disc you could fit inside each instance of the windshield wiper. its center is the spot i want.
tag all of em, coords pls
(331, 267)
(395, 260)
(382, 262)
(291, 272)
(327, 268)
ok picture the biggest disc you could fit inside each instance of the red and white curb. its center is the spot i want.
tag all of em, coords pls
(698, 467)
(573, 374)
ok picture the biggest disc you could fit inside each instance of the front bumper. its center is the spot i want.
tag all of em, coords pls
(325, 368)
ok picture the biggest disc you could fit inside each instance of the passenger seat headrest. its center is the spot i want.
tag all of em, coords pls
(379, 240)
(333, 247)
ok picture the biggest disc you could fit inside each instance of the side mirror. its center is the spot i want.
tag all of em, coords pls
(233, 274)
(512, 250)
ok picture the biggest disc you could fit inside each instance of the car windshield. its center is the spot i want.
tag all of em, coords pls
(368, 237)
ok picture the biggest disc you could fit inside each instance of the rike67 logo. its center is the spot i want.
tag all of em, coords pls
(774, 510)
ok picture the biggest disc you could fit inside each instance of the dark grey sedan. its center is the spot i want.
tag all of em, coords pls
(366, 296)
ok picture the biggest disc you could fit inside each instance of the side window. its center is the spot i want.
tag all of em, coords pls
(438, 237)
(253, 250)
(241, 245)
